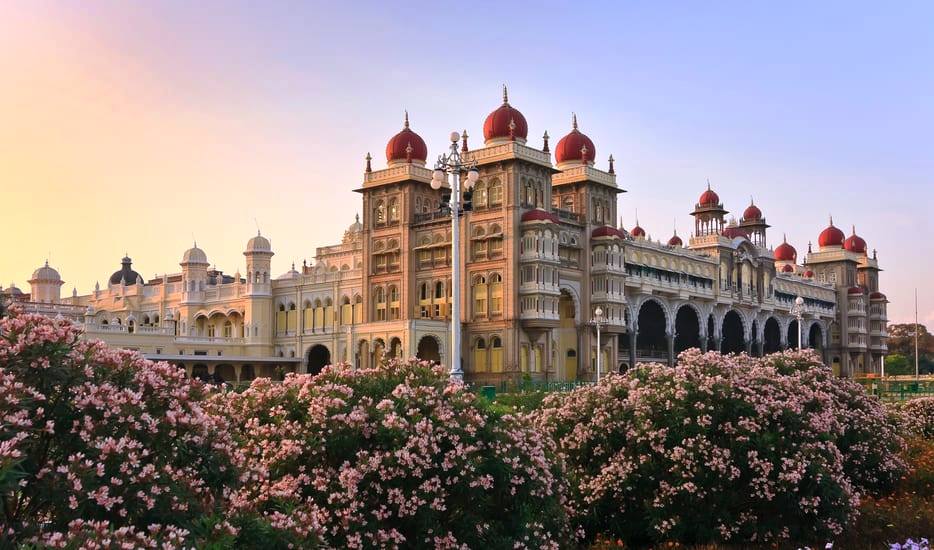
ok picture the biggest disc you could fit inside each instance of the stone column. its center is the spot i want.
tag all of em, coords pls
(670, 340)
(704, 342)
(632, 349)
(718, 343)
(760, 347)
(748, 345)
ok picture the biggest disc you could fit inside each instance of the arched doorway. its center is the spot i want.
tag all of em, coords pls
(687, 329)
(816, 337)
(429, 349)
(566, 334)
(650, 339)
(733, 340)
(793, 334)
(225, 373)
(200, 372)
(771, 336)
(395, 348)
(379, 352)
(319, 356)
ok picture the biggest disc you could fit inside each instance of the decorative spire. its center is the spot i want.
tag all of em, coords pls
(751, 201)
(464, 141)
(873, 253)
(831, 220)
(369, 158)
(505, 95)
(854, 233)
(545, 138)
(809, 247)
(406, 124)
(708, 184)
(357, 217)
(612, 171)
(573, 121)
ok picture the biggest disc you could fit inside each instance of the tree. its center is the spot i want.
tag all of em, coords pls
(902, 340)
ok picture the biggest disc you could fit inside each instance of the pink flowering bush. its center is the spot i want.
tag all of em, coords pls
(93, 434)
(869, 439)
(916, 417)
(718, 448)
(396, 456)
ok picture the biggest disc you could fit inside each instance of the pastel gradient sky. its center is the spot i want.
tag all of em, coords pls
(140, 126)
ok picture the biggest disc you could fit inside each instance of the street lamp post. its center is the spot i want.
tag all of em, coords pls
(798, 311)
(453, 164)
(598, 321)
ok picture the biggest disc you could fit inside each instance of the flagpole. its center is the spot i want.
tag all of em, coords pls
(917, 330)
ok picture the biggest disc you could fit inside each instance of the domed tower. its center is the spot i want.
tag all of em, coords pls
(708, 214)
(753, 223)
(785, 257)
(406, 147)
(258, 266)
(46, 285)
(194, 274)
(505, 124)
(125, 275)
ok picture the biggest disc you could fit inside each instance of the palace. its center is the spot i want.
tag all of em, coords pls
(541, 251)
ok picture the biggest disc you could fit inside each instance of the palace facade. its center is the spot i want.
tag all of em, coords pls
(541, 251)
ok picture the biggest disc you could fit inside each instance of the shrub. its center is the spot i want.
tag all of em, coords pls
(95, 434)
(916, 417)
(868, 438)
(719, 448)
(393, 456)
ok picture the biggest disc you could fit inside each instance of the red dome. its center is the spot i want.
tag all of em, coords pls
(809, 274)
(877, 296)
(731, 232)
(537, 214)
(785, 252)
(788, 268)
(854, 290)
(675, 241)
(605, 231)
(406, 145)
(575, 146)
(709, 197)
(752, 212)
(637, 231)
(855, 243)
(497, 124)
(831, 236)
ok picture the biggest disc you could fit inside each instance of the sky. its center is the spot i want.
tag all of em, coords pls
(140, 127)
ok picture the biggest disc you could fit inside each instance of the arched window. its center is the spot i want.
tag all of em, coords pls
(495, 194)
(379, 298)
(495, 242)
(328, 313)
(155, 320)
(478, 244)
(418, 204)
(394, 310)
(480, 195)
(480, 355)
(439, 308)
(393, 210)
(379, 213)
(496, 294)
(318, 315)
(308, 316)
(281, 319)
(292, 320)
(346, 311)
(479, 296)
(496, 354)
(424, 300)
(228, 329)
(358, 309)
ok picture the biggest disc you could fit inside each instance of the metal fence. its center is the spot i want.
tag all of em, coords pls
(898, 390)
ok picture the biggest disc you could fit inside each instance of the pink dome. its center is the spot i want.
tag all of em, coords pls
(537, 214)
(785, 252)
(831, 236)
